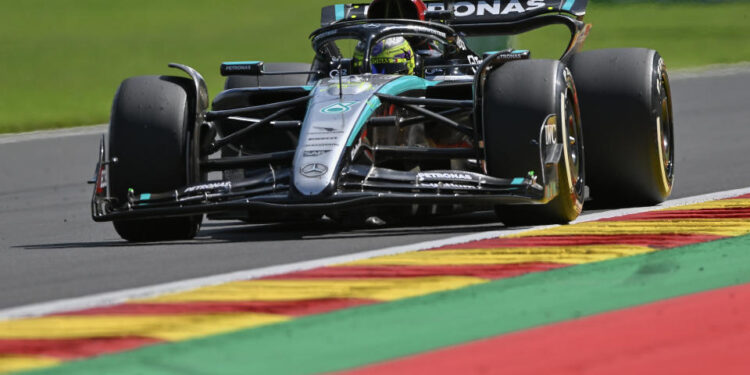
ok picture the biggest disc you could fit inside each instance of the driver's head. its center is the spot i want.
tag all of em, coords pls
(389, 56)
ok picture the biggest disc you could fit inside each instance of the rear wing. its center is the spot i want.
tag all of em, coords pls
(470, 12)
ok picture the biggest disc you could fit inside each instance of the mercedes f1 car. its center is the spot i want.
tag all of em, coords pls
(395, 116)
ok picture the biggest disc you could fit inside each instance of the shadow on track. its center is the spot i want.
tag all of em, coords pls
(327, 229)
(217, 232)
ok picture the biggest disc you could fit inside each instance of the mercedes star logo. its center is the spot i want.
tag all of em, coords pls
(314, 170)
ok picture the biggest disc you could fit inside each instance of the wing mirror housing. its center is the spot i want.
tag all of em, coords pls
(242, 68)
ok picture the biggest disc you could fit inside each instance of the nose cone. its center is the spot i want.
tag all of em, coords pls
(325, 132)
(331, 125)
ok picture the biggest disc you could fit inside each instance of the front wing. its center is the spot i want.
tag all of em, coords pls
(359, 187)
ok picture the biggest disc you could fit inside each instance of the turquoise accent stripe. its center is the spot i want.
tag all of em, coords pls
(406, 83)
(517, 181)
(241, 63)
(340, 12)
(145, 197)
(308, 88)
(395, 87)
(520, 51)
(372, 104)
(568, 5)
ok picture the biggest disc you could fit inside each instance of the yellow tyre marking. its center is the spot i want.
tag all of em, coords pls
(729, 228)
(286, 290)
(166, 327)
(20, 363)
(511, 255)
(662, 171)
(565, 140)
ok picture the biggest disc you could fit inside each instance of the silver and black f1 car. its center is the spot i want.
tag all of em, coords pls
(345, 137)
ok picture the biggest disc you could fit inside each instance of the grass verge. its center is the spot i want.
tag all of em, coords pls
(63, 60)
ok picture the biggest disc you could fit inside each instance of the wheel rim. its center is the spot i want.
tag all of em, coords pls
(666, 143)
(575, 147)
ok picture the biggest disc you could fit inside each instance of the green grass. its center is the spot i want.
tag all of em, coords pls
(686, 35)
(62, 60)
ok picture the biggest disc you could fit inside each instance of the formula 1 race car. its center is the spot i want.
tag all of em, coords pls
(396, 116)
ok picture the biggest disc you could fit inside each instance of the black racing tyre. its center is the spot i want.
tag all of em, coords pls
(626, 107)
(519, 97)
(234, 82)
(149, 134)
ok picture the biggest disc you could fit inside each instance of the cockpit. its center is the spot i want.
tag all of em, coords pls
(392, 47)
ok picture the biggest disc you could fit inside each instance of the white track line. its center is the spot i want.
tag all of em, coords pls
(711, 71)
(110, 298)
(52, 134)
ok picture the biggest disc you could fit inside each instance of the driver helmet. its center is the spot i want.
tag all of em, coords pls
(389, 56)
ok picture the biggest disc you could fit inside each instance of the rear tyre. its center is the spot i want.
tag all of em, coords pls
(626, 107)
(149, 133)
(519, 96)
(235, 82)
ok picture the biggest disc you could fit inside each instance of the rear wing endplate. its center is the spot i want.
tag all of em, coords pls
(470, 12)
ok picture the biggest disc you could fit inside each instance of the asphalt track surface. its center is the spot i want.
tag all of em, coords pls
(51, 249)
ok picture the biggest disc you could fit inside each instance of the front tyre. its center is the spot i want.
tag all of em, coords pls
(519, 98)
(149, 132)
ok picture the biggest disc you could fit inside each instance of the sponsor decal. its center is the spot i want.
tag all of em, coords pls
(428, 30)
(514, 55)
(448, 185)
(327, 130)
(242, 67)
(323, 144)
(445, 176)
(313, 153)
(323, 139)
(337, 108)
(313, 170)
(489, 8)
(224, 185)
